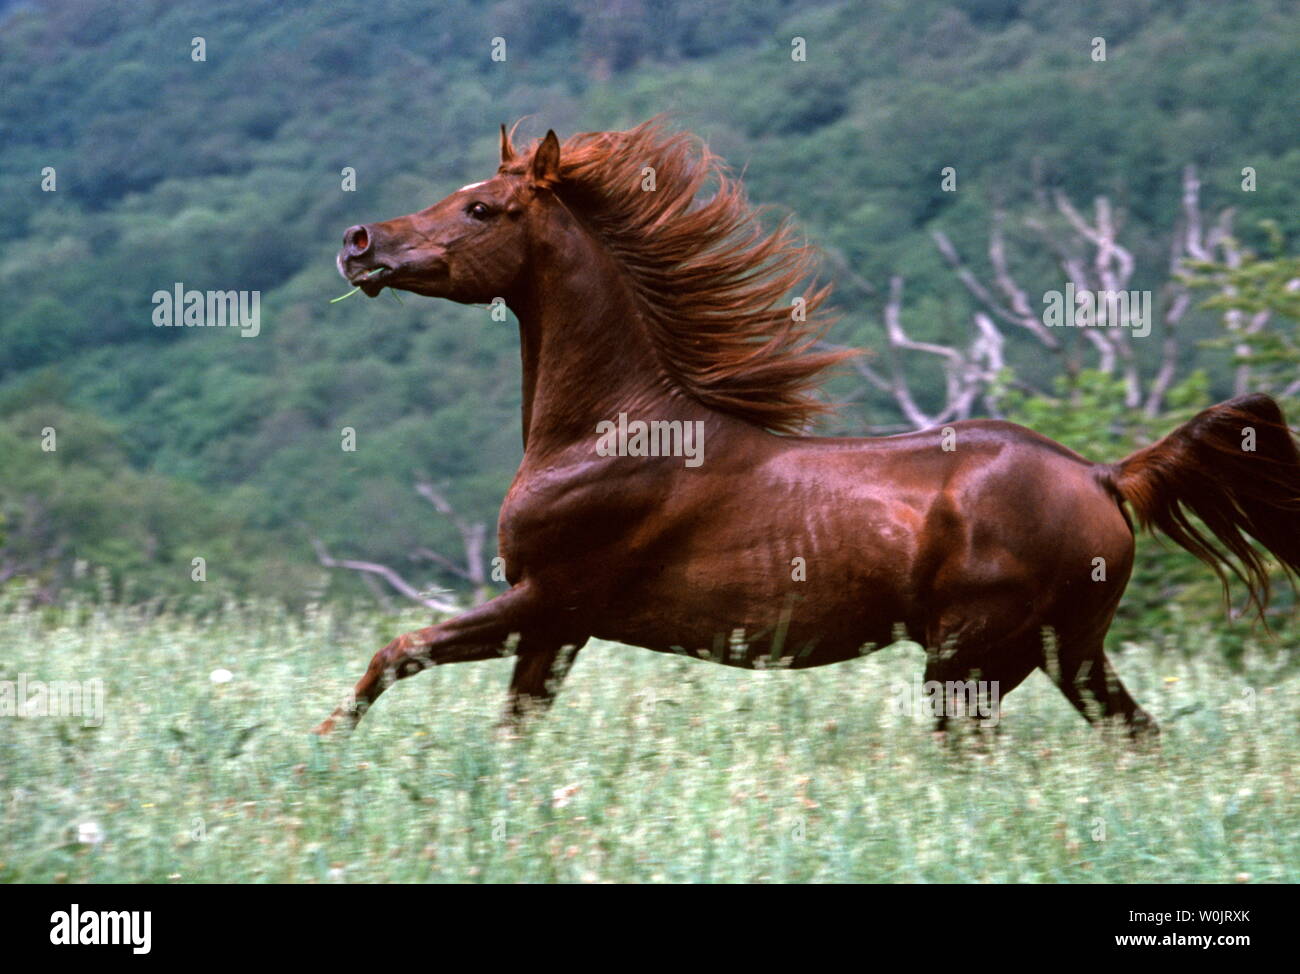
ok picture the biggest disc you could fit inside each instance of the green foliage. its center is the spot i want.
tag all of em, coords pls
(1263, 287)
(78, 504)
(1088, 413)
(225, 174)
(1089, 417)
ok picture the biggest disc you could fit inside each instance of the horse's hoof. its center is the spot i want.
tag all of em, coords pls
(507, 730)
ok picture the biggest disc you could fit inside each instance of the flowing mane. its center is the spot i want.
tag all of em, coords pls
(711, 279)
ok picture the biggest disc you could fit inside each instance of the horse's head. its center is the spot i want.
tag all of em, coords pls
(471, 247)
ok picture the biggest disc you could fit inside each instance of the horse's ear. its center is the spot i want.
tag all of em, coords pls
(546, 161)
(507, 150)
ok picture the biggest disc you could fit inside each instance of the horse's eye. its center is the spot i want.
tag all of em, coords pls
(478, 211)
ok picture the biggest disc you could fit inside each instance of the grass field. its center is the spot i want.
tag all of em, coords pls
(652, 768)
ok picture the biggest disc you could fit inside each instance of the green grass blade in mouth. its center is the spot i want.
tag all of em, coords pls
(375, 270)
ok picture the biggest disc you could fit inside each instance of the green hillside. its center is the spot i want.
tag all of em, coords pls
(227, 173)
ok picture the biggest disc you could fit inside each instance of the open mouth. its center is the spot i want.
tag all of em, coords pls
(419, 276)
(373, 280)
(369, 280)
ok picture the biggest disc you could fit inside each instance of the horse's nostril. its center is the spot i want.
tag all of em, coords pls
(357, 241)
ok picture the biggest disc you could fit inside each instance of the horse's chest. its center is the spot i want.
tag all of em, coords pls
(522, 531)
(554, 520)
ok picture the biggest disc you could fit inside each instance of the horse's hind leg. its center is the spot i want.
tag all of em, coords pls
(540, 668)
(1088, 680)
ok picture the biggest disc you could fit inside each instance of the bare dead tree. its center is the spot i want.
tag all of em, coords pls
(473, 535)
(969, 374)
(1218, 245)
(395, 581)
(471, 568)
(1088, 252)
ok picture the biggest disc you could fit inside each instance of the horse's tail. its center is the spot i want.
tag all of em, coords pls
(1235, 467)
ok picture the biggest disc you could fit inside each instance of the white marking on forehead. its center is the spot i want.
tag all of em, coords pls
(471, 186)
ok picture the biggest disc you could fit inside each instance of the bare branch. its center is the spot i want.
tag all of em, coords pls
(1020, 314)
(472, 535)
(442, 561)
(1013, 292)
(396, 581)
(1193, 242)
(1178, 303)
(966, 375)
(894, 328)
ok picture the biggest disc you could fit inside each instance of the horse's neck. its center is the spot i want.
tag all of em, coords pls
(587, 352)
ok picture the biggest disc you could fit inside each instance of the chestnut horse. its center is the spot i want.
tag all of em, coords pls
(996, 548)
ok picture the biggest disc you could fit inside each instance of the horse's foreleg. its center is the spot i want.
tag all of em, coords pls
(540, 668)
(973, 685)
(481, 633)
(975, 663)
